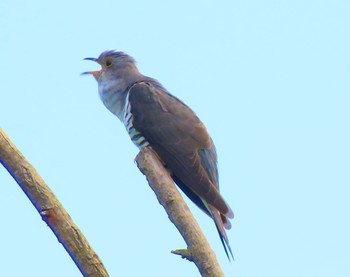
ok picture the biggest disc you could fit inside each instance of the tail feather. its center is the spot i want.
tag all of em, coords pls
(221, 222)
(226, 222)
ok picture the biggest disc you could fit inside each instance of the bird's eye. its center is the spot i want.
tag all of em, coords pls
(108, 62)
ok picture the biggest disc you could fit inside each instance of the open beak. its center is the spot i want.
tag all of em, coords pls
(95, 73)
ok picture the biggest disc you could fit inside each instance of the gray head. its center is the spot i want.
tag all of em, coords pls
(118, 72)
(115, 65)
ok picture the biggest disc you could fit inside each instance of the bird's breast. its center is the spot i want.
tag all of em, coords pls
(113, 99)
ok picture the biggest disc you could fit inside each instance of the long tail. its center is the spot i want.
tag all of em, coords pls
(222, 222)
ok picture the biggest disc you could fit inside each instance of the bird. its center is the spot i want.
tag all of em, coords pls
(155, 118)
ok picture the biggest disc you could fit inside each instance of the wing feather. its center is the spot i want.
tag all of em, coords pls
(180, 139)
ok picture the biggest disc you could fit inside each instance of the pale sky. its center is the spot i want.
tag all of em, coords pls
(269, 79)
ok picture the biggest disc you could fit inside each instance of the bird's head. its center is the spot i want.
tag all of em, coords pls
(114, 65)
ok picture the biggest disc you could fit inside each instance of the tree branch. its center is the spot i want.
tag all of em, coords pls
(50, 209)
(198, 249)
(67, 233)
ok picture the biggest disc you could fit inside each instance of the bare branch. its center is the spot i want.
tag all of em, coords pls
(50, 209)
(198, 249)
(67, 233)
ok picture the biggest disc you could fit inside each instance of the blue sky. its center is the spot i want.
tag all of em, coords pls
(270, 80)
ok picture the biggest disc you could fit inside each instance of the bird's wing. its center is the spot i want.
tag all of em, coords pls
(180, 139)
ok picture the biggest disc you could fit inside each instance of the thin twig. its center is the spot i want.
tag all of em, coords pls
(198, 249)
(50, 209)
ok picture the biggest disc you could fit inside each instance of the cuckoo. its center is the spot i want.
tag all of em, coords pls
(153, 117)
